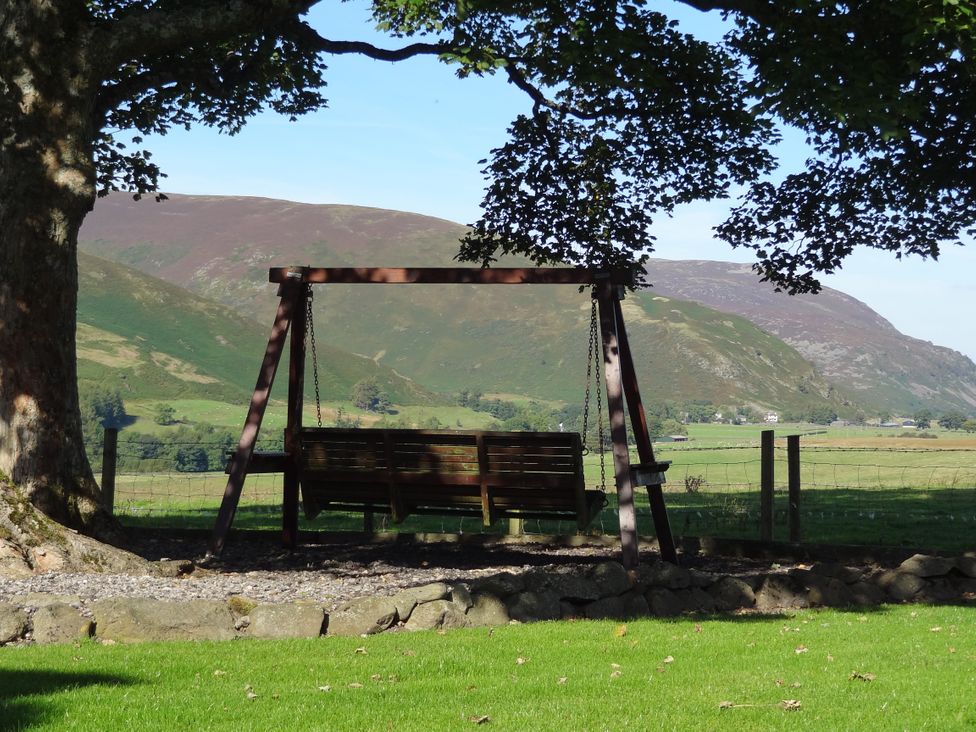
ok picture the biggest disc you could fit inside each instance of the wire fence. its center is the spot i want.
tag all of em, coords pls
(891, 497)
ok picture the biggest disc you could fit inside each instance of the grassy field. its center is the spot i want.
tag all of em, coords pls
(856, 488)
(814, 670)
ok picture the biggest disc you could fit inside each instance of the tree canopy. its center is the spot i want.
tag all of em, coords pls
(631, 117)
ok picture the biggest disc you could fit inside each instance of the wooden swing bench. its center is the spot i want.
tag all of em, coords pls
(491, 475)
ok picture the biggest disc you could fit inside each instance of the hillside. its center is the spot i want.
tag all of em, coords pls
(850, 343)
(534, 339)
(154, 340)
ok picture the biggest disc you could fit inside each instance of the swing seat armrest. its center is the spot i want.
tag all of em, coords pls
(649, 473)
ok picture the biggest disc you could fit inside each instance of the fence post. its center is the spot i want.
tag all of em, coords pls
(368, 522)
(109, 456)
(793, 469)
(515, 527)
(766, 478)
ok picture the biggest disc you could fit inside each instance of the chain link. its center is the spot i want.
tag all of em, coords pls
(310, 338)
(593, 377)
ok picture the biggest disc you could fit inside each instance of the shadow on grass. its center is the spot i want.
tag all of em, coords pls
(25, 694)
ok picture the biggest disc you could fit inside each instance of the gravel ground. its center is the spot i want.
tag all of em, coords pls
(326, 573)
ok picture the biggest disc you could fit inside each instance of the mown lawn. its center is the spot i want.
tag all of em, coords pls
(896, 668)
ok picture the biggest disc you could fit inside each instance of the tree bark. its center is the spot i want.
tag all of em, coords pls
(47, 186)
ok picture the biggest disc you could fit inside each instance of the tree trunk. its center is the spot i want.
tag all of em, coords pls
(47, 186)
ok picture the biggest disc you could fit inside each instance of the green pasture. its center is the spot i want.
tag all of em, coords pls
(892, 495)
(895, 668)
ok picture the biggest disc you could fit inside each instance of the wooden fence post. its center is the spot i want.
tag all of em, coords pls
(766, 480)
(515, 526)
(793, 469)
(110, 451)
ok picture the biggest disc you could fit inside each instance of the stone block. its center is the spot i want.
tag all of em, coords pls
(781, 591)
(57, 622)
(502, 584)
(867, 594)
(732, 593)
(293, 620)
(923, 565)
(695, 600)
(13, 564)
(461, 596)
(901, 586)
(611, 578)
(967, 565)
(569, 586)
(406, 600)
(664, 602)
(848, 575)
(13, 623)
(362, 616)
(607, 608)
(136, 619)
(529, 606)
(437, 614)
(664, 574)
(487, 611)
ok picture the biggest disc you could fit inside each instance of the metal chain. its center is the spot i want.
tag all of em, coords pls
(592, 377)
(310, 337)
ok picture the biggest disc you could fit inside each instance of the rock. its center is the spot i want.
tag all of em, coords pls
(664, 603)
(938, 589)
(568, 586)
(569, 611)
(57, 622)
(175, 567)
(901, 586)
(529, 606)
(696, 600)
(47, 558)
(664, 574)
(848, 575)
(635, 605)
(406, 600)
(362, 616)
(13, 564)
(781, 591)
(923, 565)
(702, 579)
(461, 596)
(294, 620)
(439, 614)
(13, 623)
(487, 611)
(611, 578)
(141, 619)
(830, 592)
(499, 585)
(867, 594)
(732, 593)
(967, 565)
(607, 608)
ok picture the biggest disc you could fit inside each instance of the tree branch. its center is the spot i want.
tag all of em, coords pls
(167, 27)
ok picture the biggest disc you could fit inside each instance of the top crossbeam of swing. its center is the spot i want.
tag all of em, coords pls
(448, 275)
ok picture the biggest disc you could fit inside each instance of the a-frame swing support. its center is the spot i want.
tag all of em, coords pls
(620, 380)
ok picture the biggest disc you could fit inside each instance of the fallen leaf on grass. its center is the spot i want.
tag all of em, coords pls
(408, 652)
(858, 676)
(800, 649)
(936, 629)
(325, 688)
(479, 719)
(790, 705)
(698, 627)
(218, 672)
(362, 650)
(251, 695)
(562, 680)
(615, 675)
(669, 659)
(614, 665)
(521, 661)
(376, 677)
(355, 685)
(620, 631)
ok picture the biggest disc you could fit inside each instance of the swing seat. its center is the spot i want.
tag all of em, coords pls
(494, 475)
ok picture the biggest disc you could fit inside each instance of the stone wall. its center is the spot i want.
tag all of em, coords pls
(605, 591)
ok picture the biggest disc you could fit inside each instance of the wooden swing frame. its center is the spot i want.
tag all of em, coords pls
(620, 380)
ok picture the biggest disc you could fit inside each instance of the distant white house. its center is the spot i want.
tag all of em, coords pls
(771, 418)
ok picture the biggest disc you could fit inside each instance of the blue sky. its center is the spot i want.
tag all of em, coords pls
(407, 136)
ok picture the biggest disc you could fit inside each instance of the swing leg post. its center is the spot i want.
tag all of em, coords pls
(296, 387)
(604, 292)
(642, 436)
(252, 425)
